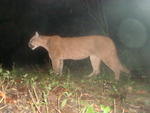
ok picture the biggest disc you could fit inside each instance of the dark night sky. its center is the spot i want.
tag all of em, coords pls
(125, 21)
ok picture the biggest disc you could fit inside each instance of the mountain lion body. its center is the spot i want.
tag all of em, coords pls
(97, 48)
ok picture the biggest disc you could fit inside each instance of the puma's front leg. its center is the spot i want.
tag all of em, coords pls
(57, 65)
(61, 66)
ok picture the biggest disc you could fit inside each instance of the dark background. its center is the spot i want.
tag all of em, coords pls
(127, 22)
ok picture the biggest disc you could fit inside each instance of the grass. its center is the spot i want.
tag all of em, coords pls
(23, 91)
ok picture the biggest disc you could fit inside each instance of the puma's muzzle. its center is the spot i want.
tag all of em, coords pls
(31, 46)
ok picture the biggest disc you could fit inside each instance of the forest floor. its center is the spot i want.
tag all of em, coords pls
(38, 91)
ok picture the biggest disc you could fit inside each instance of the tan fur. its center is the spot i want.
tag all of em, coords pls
(97, 48)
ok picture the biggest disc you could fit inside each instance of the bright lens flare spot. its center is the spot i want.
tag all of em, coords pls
(132, 33)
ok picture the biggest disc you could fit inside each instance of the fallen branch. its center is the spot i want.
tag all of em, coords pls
(31, 96)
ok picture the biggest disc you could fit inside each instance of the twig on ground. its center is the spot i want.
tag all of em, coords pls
(34, 101)
(58, 110)
(123, 111)
(3, 107)
(46, 103)
(114, 105)
(1, 99)
(35, 93)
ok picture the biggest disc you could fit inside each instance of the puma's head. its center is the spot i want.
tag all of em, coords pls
(35, 41)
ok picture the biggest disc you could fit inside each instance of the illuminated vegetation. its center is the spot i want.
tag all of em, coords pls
(39, 92)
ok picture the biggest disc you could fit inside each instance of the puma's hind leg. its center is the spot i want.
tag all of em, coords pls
(114, 64)
(95, 62)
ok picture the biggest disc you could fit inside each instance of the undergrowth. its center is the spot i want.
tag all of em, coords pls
(37, 92)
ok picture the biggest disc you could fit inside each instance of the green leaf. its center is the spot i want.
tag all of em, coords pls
(90, 109)
(1, 70)
(106, 109)
(64, 102)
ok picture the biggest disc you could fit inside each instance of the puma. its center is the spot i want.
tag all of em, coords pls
(97, 48)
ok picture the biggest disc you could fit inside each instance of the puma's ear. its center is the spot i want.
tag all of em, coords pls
(36, 34)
